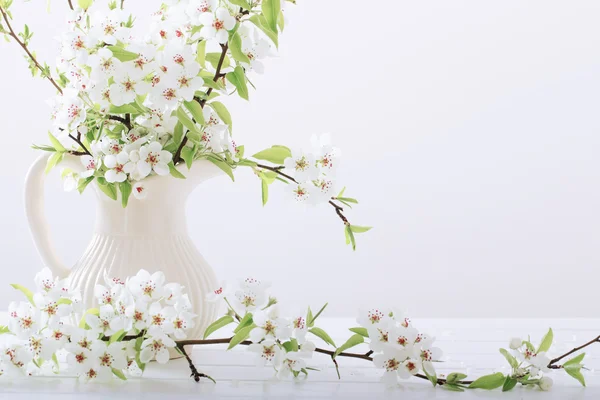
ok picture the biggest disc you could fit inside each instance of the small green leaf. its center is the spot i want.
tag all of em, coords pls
(109, 189)
(175, 172)
(178, 133)
(118, 373)
(85, 4)
(510, 358)
(320, 333)
(83, 183)
(271, 10)
(455, 377)
(261, 23)
(53, 161)
(360, 229)
(214, 58)
(117, 336)
(240, 336)
(244, 322)
(275, 154)
(56, 143)
(235, 45)
(124, 109)
(509, 384)
(218, 324)
(242, 3)
(488, 382)
(432, 377)
(360, 330)
(546, 341)
(353, 341)
(223, 166)
(223, 113)
(576, 373)
(122, 54)
(186, 120)
(238, 79)
(4, 329)
(265, 191)
(347, 199)
(575, 360)
(188, 153)
(28, 293)
(311, 322)
(64, 301)
(196, 110)
(56, 367)
(291, 345)
(452, 387)
(201, 53)
(126, 189)
(350, 237)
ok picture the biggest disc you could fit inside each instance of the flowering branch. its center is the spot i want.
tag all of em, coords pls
(11, 33)
(80, 143)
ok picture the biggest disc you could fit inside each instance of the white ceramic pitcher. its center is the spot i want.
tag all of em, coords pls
(150, 234)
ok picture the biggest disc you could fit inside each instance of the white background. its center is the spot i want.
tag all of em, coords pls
(469, 132)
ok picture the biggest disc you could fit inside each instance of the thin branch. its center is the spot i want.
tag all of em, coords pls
(122, 1)
(224, 48)
(22, 44)
(195, 373)
(557, 359)
(70, 4)
(79, 142)
(125, 121)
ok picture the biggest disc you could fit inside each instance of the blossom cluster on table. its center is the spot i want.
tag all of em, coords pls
(142, 318)
(135, 102)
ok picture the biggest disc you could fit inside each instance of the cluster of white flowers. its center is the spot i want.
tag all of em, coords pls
(110, 76)
(44, 328)
(532, 363)
(314, 171)
(398, 347)
(276, 340)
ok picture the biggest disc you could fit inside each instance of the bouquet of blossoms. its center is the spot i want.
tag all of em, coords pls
(137, 103)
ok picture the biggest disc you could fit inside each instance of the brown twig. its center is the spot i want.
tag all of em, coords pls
(70, 4)
(125, 121)
(12, 34)
(576, 349)
(195, 373)
(79, 142)
(224, 48)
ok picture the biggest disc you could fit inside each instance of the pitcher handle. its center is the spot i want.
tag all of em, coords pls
(34, 209)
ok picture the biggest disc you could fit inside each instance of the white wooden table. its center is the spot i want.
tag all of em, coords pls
(470, 346)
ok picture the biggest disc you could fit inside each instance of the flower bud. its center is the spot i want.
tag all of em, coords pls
(515, 343)
(546, 383)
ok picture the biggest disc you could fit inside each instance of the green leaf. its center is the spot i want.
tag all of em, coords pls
(510, 358)
(109, 189)
(4, 329)
(360, 229)
(83, 183)
(265, 191)
(196, 110)
(350, 237)
(240, 336)
(244, 322)
(92, 311)
(85, 4)
(432, 377)
(453, 388)
(122, 54)
(546, 341)
(118, 373)
(188, 153)
(576, 373)
(201, 53)
(360, 330)
(274, 154)
(455, 377)
(214, 58)
(488, 382)
(242, 3)
(186, 120)
(124, 109)
(64, 301)
(320, 333)
(291, 345)
(223, 113)
(175, 172)
(271, 10)
(56, 367)
(223, 166)
(311, 322)
(575, 360)
(55, 142)
(28, 293)
(509, 384)
(117, 336)
(238, 79)
(53, 161)
(218, 324)
(261, 23)
(353, 341)
(126, 189)
(347, 199)
(235, 45)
